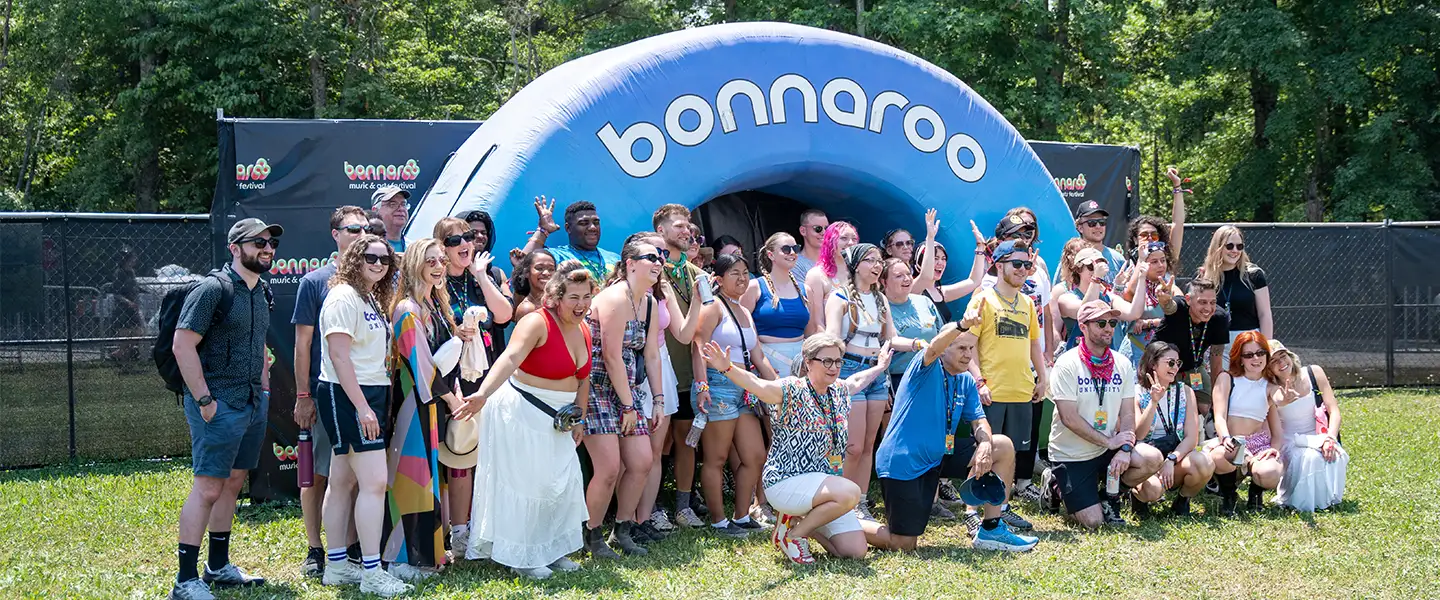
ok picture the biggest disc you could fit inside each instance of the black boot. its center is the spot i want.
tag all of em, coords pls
(1181, 507)
(1141, 509)
(621, 538)
(596, 546)
(1256, 499)
(1228, 496)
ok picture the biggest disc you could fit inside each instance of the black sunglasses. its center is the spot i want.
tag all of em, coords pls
(1230, 246)
(1111, 323)
(376, 230)
(829, 363)
(260, 243)
(1093, 222)
(1027, 233)
(383, 259)
(698, 240)
(791, 249)
(452, 241)
(818, 228)
(1250, 355)
(1020, 264)
(652, 257)
(352, 229)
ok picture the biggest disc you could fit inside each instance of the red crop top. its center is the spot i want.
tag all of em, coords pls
(552, 359)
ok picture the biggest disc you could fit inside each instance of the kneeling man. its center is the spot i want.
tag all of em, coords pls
(1094, 438)
(921, 446)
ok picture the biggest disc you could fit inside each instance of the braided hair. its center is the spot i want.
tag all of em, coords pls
(853, 255)
(767, 265)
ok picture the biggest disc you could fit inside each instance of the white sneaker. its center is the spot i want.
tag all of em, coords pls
(382, 583)
(342, 573)
(688, 518)
(535, 573)
(564, 564)
(659, 519)
(409, 572)
(459, 540)
(763, 513)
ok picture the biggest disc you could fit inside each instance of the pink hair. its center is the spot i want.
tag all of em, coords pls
(828, 250)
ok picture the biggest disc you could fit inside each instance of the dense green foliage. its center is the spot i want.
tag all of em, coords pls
(1279, 110)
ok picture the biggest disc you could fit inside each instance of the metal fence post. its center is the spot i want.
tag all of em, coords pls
(69, 326)
(1390, 302)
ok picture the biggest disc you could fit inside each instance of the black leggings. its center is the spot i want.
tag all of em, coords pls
(1025, 459)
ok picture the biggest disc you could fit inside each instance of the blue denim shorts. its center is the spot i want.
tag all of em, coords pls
(232, 438)
(877, 390)
(725, 399)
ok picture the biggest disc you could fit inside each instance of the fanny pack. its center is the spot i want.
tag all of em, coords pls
(565, 418)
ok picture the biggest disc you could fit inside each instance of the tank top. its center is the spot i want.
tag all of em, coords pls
(1247, 399)
(788, 320)
(552, 360)
(1298, 417)
(941, 306)
(728, 333)
(867, 331)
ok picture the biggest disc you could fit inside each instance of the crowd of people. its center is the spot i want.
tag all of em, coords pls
(460, 414)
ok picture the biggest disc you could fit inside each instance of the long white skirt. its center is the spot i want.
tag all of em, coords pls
(529, 505)
(1311, 483)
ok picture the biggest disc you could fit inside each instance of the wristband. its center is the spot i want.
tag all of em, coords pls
(727, 369)
(624, 408)
(701, 387)
(299, 395)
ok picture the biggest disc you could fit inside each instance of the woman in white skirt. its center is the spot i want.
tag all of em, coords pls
(802, 472)
(778, 304)
(1314, 476)
(529, 504)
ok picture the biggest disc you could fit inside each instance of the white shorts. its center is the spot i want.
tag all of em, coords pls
(796, 496)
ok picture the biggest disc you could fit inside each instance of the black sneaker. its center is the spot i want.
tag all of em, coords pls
(1181, 507)
(314, 565)
(1016, 522)
(731, 531)
(649, 531)
(1110, 508)
(972, 523)
(749, 524)
(1227, 504)
(698, 505)
(948, 493)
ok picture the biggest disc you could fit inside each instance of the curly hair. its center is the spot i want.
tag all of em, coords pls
(414, 287)
(350, 266)
(1070, 274)
(570, 272)
(830, 246)
(520, 283)
(1162, 234)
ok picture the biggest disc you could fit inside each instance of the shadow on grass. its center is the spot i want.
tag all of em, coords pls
(271, 590)
(268, 512)
(81, 468)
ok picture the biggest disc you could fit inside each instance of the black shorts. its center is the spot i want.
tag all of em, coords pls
(685, 412)
(341, 421)
(1013, 420)
(1080, 481)
(908, 502)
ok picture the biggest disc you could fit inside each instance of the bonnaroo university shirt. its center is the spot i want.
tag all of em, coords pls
(1070, 381)
(347, 313)
(1005, 333)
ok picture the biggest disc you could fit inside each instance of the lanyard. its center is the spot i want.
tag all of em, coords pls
(1174, 408)
(826, 405)
(1197, 344)
(595, 268)
(950, 398)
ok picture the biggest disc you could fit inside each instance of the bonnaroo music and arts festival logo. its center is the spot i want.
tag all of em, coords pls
(366, 177)
(253, 175)
(1074, 187)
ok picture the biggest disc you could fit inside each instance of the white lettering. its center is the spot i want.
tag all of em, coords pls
(620, 147)
(792, 81)
(959, 142)
(687, 137)
(840, 85)
(913, 117)
(883, 101)
(725, 103)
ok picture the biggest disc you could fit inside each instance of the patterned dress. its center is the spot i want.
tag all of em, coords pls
(415, 515)
(603, 414)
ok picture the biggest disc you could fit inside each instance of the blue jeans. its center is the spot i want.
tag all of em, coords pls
(725, 398)
(232, 438)
(875, 391)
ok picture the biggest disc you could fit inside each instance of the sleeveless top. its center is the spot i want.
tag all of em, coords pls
(788, 320)
(1298, 417)
(1248, 400)
(867, 331)
(1170, 412)
(552, 359)
(728, 333)
(601, 382)
(941, 307)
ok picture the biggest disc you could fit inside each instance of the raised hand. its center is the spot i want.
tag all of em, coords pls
(718, 358)
(975, 229)
(546, 212)
(932, 224)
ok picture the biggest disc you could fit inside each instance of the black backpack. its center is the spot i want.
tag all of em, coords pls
(169, 317)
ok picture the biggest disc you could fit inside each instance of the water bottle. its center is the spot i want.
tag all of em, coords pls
(707, 295)
(305, 459)
(1112, 483)
(697, 427)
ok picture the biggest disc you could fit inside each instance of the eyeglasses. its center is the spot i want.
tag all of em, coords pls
(1231, 246)
(452, 241)
(829, 363)
(394, 204)
(383, 259)
(651, 257)
(352, 229)
(870, 259)
(1093, 222)
(1020, 264)
(1250, 355)
(791, 249)
(259, 242)
(1172, 363)
(432, 261)
(903, 243)
(1111, 323)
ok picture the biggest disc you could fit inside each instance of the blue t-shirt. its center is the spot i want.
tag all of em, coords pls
(398, 245)
(598, 261)
(915, 318)
(308, 300)
(915, 440)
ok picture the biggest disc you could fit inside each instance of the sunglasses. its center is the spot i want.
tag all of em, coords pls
(698, 240)
(383, 259)
(1093, 222)
(260, 243)
(903, 243)
(791, 249)
(1230, 246)
(1147, 236)
(452, 241)
(1156, 246)
(431, 261)
(818, 228)
(829, 363)
(1172, 363)
(1024, 234)
(1111, 323)
(1020, 264)
(1250, 355)
(651, 257)
(1088, 266)
(352, 229)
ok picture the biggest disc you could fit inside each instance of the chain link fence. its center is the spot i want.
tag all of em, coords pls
(78, 302)
(80, 293)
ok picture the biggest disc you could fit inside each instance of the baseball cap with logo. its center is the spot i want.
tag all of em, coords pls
(1010, 225)
(385, 193)
(249, 228)
(1089, 207)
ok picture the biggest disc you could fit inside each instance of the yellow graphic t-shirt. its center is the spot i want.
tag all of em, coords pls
(1005, 331)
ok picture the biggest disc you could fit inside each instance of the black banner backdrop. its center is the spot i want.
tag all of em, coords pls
(296, 172)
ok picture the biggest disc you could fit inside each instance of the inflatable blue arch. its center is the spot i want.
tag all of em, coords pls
(834, 121)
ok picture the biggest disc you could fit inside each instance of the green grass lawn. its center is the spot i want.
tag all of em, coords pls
(108, 531)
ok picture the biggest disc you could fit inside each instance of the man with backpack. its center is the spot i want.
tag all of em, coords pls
(219, 348)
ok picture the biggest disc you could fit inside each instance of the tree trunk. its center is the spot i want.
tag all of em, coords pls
(147, 175)
(5, 38)
(1264, 96)
(1048, 124)
(317, 66)
(860, 18)
(1314, 202)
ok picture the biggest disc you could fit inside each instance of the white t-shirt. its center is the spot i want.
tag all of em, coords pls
(346, 312)
(1070, 381)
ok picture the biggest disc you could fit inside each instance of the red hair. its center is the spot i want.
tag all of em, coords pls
(1236, 347)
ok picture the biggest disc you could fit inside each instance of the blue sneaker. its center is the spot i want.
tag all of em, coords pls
(1001, 538)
